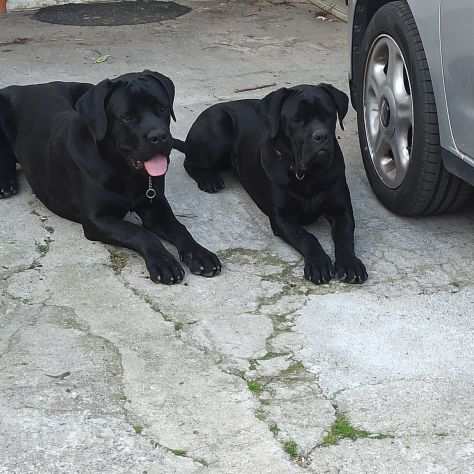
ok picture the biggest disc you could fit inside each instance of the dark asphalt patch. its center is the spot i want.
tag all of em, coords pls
(111, 14)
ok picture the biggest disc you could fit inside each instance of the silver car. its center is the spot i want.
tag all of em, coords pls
(412, 85)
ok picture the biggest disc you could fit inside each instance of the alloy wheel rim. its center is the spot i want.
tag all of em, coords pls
(388, 111)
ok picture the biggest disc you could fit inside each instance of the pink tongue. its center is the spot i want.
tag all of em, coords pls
(157, 166)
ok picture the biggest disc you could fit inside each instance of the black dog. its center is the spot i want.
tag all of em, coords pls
(284, 151)
(93, 153)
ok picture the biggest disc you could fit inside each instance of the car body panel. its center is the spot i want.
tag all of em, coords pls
(457, 39)
(440, 37)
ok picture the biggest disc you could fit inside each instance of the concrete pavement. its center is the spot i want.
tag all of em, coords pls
(101, 371)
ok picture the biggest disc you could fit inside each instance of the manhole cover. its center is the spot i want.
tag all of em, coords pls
(111, 14)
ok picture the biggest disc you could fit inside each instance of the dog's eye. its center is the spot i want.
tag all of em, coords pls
(127, 118)
(162, 109)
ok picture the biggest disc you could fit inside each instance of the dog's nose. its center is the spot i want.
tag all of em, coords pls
(320, 136)
(157, 136)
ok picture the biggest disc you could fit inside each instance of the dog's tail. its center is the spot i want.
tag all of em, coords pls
(179, 145)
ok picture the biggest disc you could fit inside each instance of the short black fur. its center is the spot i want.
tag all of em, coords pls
(284, 151)
(83, 149)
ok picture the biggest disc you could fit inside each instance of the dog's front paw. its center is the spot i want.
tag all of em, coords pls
(8, 187)
(211, 183)
(318, 269)
(201, 261)
(351, 270)
(165, 269)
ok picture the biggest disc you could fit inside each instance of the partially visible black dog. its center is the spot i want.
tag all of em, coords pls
(285, 153)
(93, 153)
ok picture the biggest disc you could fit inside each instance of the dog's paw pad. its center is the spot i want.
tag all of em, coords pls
(202, 262)
(165, 270)
(319, 269)
(351, 270)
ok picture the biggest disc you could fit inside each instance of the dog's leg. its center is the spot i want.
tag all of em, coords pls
(318, 266)
(348, 267)
(8, 179)
(207, 179)
(162, 266)
(159, 218)
(209, 147)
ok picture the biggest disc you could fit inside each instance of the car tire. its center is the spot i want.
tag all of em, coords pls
(420, 185)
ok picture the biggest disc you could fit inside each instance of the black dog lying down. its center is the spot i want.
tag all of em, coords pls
(93, 153)
(284, 151)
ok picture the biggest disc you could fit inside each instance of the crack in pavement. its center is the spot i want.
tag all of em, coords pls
(82, 326)
(296, 372)
(282, 321)
(282, 277)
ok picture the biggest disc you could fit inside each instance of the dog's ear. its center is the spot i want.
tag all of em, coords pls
(340, 100)
(271, 107)
(167, 85)
(91, 106)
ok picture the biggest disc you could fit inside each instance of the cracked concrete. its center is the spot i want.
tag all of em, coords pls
(102, 371)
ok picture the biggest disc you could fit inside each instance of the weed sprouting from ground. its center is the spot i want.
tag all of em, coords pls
(342, 429)
(255, 387)
(291, 448)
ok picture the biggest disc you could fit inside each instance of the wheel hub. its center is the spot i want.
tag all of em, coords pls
(385, 112)
(388, 111)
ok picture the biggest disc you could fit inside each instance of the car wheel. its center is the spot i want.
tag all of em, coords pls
(397, 120)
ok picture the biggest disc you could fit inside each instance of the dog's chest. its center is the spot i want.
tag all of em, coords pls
(308, 204)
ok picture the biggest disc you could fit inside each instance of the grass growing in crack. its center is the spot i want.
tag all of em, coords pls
(274, 429)
(138, 429)
(253, 364)
(179, 452)
(255, 387)
(118, 261)
(341, 429)
(243, 255)
(43, 247)
(260, 414)
(273, 355)
(294, 368)
(291, 448)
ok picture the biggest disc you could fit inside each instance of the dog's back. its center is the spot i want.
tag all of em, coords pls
(32, 109)
(215, 137)
(29, 116)
(221, 125)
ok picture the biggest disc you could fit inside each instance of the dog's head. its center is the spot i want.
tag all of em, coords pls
(132, 114)
(303, 119)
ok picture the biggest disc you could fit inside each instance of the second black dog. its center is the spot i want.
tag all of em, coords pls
(285, 153)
